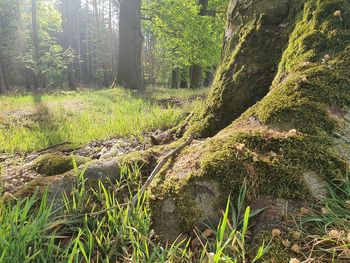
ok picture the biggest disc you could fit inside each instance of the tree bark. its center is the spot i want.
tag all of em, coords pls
(246, 71)
(2, 79)
(70, 16)
(209, 76)
(175, 81)
(183, 78)
(288, 144)
(196, 78)
(130, 45)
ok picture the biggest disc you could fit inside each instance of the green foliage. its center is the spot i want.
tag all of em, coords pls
(183, 36)
(53, 60)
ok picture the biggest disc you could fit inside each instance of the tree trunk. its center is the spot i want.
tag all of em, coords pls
(2, 80)
(196, 70)
(71, 34)
(130, 45)
(2, 76)
(36, 40)
(287, 145)
(175, 81)
(195, 76)
(209, 76)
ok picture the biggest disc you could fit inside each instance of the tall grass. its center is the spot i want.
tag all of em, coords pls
(29, 123)
(31, 232)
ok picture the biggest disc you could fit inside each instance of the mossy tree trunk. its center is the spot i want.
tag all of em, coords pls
(293, 56)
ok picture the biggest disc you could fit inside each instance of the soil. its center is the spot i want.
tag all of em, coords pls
(16, 170)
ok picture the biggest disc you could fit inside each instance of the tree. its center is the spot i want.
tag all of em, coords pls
(36, 41)
(2, 79)
(70, 15)
(184, 36)
(287, 144)
(130, 45)
(196, 70)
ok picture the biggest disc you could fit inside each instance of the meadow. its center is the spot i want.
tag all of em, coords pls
(33, 122)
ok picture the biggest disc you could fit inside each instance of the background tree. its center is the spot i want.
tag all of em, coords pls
(130, 45)
(183, 36)
(196, 70)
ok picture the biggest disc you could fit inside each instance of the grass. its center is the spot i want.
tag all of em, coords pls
(33, 122)
(31, 232)
(327, 226)
(88, 230)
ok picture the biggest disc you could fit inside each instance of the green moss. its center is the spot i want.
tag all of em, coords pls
(277, 252)
(246, 72)
(313, 73)
(41, 184)
(289, 132)
(54, 164)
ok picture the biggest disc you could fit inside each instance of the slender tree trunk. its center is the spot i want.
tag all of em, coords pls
(130, 45)
(36, 44)
(2, 76)
(2, 79)
(71, 33)
(209, 77)
(183, 78)
(196, 77)
(175, 82)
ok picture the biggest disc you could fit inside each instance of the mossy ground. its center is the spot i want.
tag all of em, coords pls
(55, 164)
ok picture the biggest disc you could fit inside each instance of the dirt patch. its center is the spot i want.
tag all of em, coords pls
(16, 170)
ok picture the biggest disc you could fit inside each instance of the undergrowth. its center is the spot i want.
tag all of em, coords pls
(94, 226)
(100, 225)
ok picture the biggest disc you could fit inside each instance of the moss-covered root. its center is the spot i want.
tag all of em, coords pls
(57, 174)
(256, 36)
(55, 163)
(286, 146)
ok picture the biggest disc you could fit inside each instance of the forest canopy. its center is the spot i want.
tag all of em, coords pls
(50, 44)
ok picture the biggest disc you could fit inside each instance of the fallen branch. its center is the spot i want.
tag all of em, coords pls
(52, 147)
(159, 167)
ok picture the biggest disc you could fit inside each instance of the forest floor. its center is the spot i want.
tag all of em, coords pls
(107, 123)
(33, 122)
(93, 124)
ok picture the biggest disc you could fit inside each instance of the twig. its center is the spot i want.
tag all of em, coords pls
(159, 167)
(149, 180)
(53, 146)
